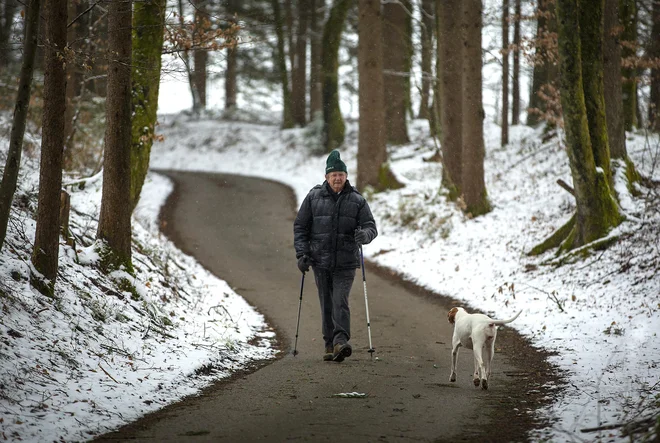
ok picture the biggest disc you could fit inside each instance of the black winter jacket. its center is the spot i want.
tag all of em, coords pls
(324, 228)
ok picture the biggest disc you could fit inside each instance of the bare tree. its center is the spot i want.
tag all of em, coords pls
(427, 28)
(115, 219)
(8, 9)
(628, 17)
(397, 36)
(654, 53)
(200, 53)
(373, 169)
(545, 70)
(315, 81)
(148, 28)
(597, 211)
(472, 180)
(299, 67)
(231, 73)
(504, 135)
(450, 73)
(287, 113)
(333, 121)
(612, 80)
(515, 86)
(13, 162)
(46, 241)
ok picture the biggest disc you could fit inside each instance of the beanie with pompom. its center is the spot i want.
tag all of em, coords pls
(334, 163)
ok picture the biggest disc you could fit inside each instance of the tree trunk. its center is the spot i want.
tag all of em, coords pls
(315, 77)
(46, 240)
(628, 17)
(6, 20)
(333, 122)
(612, 80)
(591, 38)
(148, 28)
(74, 77)
(231, 73)
(654, 53)
(299, 69)
(13, 162)
(200, 55)
(450, 61)
(515, 92)
(290, 46)
(373, 169)
(596, 209)
(472, 180)
(545, 72)
(185, 58)
(287, 113)
(397, 36)
(504, 136)
(115, 218)
(427, 26)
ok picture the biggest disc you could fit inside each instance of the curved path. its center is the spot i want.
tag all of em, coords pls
(242, 230)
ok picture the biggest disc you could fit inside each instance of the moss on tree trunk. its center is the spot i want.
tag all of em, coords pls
(148, 27)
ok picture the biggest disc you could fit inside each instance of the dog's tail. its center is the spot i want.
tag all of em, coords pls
(503, 322)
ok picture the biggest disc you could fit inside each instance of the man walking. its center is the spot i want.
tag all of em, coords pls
(332, 222)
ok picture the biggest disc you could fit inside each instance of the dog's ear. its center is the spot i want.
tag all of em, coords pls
(451, 315)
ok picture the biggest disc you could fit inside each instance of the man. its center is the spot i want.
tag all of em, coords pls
(332, 223)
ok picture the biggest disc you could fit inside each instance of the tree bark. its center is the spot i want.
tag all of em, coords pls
(591, 37)
(148, 28)
(472, 180)
(596, 209)
(373, 169)
(287, 112)
(200, 55)
(290, 46)
(231, 72)
(427, 27)
(654, 53)
(46, 240)
(6, 20)
(504, 135)
(628, 17)
(315, 75)
(450, 61)
(299, 68)
(13, 162)
(397, 36)
(115, 218)
(185, 58)
(545, 71)
(333, 121)
(74, 78)
(612, 80)
(515, 87)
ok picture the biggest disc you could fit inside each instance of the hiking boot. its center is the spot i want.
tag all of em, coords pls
(341, 351)
(329, 354)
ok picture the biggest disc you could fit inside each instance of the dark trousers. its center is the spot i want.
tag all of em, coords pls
(334, 287)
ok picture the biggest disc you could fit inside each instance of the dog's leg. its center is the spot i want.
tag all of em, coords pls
(454, 358)
(480, 371)
(489, 352)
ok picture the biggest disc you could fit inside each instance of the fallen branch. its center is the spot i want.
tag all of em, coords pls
(108, 374)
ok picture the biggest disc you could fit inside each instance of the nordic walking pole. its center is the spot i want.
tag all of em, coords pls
(302, 283)
(366, 304)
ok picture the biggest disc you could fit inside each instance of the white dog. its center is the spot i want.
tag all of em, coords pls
(476, 332)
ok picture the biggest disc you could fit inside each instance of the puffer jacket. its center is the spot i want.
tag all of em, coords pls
(324, 228)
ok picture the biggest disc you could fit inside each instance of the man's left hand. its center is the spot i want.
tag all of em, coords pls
(361, 237)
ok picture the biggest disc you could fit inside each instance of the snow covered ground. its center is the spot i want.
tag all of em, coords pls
(94, 357)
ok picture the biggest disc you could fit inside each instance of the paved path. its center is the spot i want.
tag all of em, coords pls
(242, 230)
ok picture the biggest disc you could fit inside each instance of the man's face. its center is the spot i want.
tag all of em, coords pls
(336, 180)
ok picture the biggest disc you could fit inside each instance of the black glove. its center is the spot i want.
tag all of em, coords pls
(303, 263)
(361, 237)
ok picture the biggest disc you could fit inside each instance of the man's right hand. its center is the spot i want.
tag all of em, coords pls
(303, 263)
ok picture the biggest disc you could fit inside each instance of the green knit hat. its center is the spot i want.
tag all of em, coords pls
(334, 163)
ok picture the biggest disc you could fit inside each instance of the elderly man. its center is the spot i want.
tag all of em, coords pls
(333, 221)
